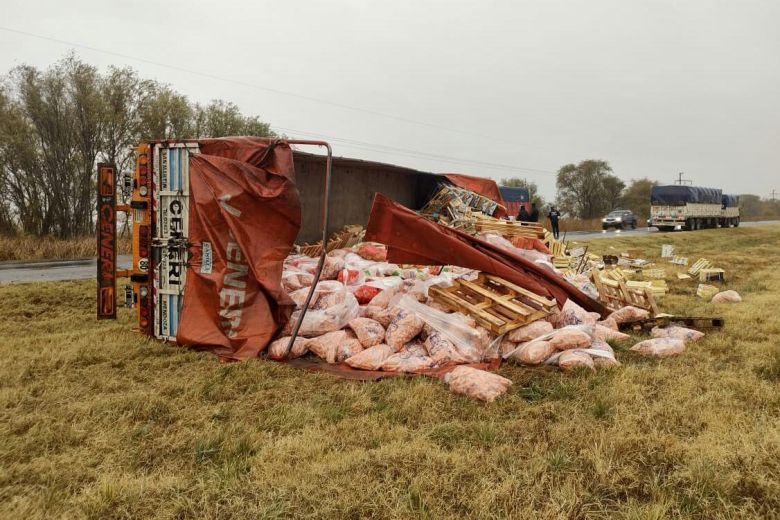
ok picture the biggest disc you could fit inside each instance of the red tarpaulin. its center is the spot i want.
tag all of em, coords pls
(412, 239)
(244, 216)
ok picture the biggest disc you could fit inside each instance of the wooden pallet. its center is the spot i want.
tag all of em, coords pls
(691, 322)
(679, 260)
(509, 228)
(701, 263)
(656, 273)
(615, 294)
(496, 304)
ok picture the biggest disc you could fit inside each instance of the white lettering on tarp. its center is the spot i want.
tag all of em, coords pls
(233, 293)
(223, 201)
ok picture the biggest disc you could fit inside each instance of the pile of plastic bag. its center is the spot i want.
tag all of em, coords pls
(370, 314)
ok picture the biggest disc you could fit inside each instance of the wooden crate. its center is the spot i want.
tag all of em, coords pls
(706, 291)
(712, 274)
(348, 236)
(679, 260)
(509, 228)
(496, 304)
(615, 294)
(701, 263)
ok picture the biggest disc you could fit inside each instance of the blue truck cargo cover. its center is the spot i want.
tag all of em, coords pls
(676, 195)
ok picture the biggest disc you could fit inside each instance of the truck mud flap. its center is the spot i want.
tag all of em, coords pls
(106, 242)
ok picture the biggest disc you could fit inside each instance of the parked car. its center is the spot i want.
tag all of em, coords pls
(619, 219)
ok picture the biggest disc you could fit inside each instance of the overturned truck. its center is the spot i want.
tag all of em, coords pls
(214, 222)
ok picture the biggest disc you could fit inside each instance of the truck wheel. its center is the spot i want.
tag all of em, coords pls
(633, 225)
(736, 222)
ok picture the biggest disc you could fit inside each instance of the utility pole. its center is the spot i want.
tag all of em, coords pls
(773, 194)
(681, 181)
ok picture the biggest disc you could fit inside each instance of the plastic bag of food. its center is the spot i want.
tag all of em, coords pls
(303, 263)
(332, 266)
(382, 299)
(371, 358)
(532, 353)
(674, 331)
(384, 316)
(336, 346)
(319, 321)
(440, 349)
(404, 327)
(609, 323)
(727, 297)
(412, 358)
(629, 313)
(530, 331)
(477, 384)
(369, 332)
(573, 314)
(490, 346)
(660, 347)
(350, 277)
(602, 354)
(455, 327)
(506, 346)
(571, 359)
(372, 251)
(605, 333)
(570, 337)
(331, 291)
(277, 350)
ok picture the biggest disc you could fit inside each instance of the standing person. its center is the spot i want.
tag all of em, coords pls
(523, 215)
(553, 216)
(534, 213)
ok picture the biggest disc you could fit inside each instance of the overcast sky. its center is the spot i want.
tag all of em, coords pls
(653, 87)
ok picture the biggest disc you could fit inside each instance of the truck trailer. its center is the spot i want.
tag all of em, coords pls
(332, 192)
(692, 207)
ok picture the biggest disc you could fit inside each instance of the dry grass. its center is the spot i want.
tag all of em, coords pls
(27, 248)
(97, 422)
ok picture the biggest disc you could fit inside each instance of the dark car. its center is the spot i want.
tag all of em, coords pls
(619, 219)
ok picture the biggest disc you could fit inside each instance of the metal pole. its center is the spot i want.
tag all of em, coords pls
(325, 222)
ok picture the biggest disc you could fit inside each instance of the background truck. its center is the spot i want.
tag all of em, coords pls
(692, 207)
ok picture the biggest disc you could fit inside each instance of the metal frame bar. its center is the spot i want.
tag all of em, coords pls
(325, 222)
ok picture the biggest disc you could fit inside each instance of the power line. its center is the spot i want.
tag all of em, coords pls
(259, 87)
(362, 145)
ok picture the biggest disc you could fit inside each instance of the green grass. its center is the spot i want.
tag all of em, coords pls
(98, 422)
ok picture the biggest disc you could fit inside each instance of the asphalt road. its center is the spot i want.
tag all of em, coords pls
(587, 235)
(24, 272)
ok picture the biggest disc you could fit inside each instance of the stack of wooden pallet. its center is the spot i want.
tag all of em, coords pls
(508, 228)
(452, 204)
(496, 304)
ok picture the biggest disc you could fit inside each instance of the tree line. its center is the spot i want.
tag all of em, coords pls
(57, 124)
(590, 189)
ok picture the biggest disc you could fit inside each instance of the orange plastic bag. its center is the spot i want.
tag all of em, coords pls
(660, 347)
(477, 384)
(530, 332)
(629, 313)
(277, 350)
(369, 332)
(371, 358)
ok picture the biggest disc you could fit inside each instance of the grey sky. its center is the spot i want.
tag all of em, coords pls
(653, 87)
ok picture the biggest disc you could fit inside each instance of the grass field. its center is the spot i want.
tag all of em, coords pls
(97, 422)
(31, 248)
